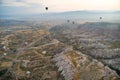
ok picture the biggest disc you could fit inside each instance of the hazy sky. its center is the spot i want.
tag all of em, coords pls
(38, 6)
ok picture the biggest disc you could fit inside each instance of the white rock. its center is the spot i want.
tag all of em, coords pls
(26, 43)
(44, 52)
(28, 72)
(5, 54)
(4, 47)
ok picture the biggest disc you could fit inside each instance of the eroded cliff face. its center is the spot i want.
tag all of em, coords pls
(74, 65)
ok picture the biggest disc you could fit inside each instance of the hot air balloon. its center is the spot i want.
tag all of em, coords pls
(100, 17)
(68, 21)
(73, 22)
(46, 8)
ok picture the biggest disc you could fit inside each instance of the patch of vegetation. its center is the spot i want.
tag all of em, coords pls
(2, 72)
(115, 44)
(4, 59)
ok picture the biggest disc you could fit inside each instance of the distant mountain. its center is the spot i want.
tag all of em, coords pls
(84, 16)
(12, 23)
